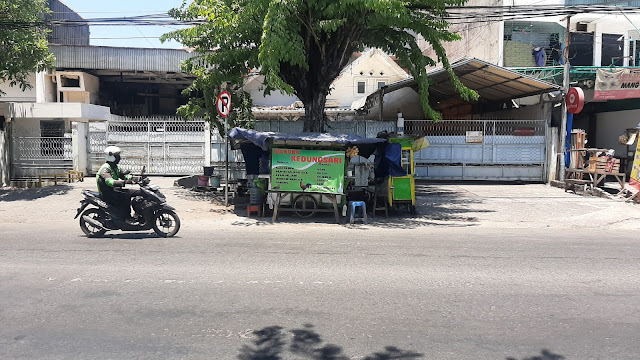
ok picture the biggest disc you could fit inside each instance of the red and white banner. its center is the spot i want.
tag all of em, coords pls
(617, 84)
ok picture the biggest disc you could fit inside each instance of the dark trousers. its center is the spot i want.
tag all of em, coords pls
(121, 199)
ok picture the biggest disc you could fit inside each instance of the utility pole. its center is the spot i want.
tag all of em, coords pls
(565, 88)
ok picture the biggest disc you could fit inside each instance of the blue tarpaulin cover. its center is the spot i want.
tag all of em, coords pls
(366, 146)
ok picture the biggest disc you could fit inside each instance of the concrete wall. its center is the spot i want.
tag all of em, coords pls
(611, 125)
(480, 40)
(15, 94)
(5, 154)
(31, 127)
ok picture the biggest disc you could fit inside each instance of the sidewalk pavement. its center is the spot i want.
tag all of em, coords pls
(475, 205)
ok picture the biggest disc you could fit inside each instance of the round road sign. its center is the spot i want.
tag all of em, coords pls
(575, 100)
(223, 104)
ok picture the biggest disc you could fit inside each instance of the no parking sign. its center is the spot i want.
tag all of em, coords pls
(223, 104)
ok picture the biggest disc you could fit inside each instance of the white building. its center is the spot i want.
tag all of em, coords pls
(366, 73)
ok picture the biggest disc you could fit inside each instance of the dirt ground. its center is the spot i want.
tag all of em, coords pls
(478, 205)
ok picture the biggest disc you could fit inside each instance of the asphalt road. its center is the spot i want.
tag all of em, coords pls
(256, 291)
(483, 272)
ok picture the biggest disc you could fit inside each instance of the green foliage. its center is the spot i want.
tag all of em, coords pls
(23, 43)
(300, 46)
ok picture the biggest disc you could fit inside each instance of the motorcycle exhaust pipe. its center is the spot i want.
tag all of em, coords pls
(93, 222)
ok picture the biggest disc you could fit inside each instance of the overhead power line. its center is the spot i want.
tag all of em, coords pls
(455, 15)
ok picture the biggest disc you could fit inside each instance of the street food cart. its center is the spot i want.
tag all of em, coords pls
(400, 183)
(306, 172)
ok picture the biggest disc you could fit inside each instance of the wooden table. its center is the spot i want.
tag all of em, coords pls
(281, 194)
(595, 177)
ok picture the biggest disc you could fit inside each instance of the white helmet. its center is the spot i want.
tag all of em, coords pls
(110, 153)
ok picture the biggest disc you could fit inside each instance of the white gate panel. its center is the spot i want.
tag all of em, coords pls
(503, 143)
(166, 146)
(519, 154)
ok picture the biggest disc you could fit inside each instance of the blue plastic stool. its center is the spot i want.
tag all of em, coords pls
(353, 206)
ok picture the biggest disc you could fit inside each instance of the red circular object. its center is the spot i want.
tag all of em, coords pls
(575, 100)
(223, 104)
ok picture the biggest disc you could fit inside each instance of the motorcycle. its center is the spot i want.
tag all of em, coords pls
(151, 212)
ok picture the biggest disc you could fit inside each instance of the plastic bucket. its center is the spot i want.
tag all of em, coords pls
(214, 181)
(203, 180)
(208, 170)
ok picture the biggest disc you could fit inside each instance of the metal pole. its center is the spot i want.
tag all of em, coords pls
(226, 162)
(565, 87)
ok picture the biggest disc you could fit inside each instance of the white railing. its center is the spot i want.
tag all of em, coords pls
(42, 148)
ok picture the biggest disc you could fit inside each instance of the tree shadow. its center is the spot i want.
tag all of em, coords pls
(544, 355)
(435, 206)
(271, 342)
(276, 343)
(33, 193)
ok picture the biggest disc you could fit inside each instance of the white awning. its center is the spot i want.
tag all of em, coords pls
(72, 111)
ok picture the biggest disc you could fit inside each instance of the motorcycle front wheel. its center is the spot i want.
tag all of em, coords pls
(166, 223)
(89, 229)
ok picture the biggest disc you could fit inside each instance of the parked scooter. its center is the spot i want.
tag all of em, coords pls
(151, 212)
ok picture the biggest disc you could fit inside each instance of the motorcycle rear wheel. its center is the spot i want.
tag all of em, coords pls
(166, 223)
(89, 229)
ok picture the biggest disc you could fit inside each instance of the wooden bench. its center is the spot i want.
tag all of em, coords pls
(595, 177)
(68, 177)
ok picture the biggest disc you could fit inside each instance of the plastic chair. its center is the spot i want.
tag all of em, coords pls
(353, 206)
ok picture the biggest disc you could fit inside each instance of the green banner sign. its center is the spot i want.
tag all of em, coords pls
(307, 170)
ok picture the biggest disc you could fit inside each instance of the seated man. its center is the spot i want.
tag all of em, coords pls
(111, 180)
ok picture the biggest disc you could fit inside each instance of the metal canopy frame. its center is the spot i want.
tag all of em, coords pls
(493, 83)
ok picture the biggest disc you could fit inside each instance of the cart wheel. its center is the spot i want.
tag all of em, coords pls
(305, 205)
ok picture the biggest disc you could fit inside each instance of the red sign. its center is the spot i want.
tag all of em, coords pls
(575, 100)
(223, 104)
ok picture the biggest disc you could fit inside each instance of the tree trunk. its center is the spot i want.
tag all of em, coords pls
(314, 117)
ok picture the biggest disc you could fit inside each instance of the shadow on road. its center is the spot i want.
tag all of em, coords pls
(131, 236)
(435, 206)
(544, 355)
(273, 341)
(33, 193)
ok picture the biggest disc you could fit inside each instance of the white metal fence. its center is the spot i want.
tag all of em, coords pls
(481, 149)
(460, 149)
(34, 156)
(165, 145)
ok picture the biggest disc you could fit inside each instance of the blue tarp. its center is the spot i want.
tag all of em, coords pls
(366, 146)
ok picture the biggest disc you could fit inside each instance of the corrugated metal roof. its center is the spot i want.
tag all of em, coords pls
(118, 58)
(493, 83)
(69, 34)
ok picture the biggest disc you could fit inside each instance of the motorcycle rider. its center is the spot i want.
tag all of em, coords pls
(111, 180)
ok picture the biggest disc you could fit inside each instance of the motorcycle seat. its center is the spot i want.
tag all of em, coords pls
(92, 193)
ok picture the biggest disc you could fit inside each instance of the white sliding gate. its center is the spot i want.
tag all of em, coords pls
(166, 146)
(481, 149)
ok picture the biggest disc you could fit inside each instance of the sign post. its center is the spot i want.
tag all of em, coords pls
(223, 106)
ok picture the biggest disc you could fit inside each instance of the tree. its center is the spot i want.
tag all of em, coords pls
(23, 42)
(300, 46)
